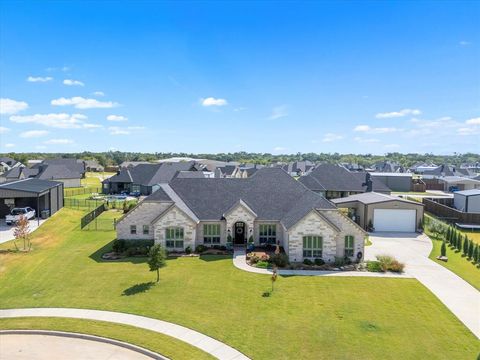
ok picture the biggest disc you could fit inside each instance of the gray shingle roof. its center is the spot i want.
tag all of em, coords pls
(372, 198)
(16, 172)
(328, 177)
(271, 193)
(30, 185)
(58, 172)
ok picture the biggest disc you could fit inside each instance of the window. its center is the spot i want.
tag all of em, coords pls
(146, 229)
(312, 246)
(211, 233)
(135, 188)
(133, 229)
(268, 234)
(349, 246)
(174, 237)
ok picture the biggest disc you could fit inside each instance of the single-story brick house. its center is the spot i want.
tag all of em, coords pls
(270, 206)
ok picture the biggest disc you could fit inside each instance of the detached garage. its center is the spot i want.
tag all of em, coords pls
(386, 213)
(46, 197)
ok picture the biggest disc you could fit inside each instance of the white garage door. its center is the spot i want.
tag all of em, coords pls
(397, 220)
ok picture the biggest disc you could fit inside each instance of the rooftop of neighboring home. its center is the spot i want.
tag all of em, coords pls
(472, 192)
(449, 170)
(328, 177)
(271, 194)
(372, 198)
(131, 164)
(298, 167)
(387, 166)
(60, 169)
(20, 172)
(150, 174)
(8, 161)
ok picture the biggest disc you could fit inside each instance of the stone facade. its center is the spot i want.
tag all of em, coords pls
(243, 214)
(175, 218)
(312, 224)
(141, 215)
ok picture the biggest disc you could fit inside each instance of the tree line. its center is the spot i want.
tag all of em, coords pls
(117, 157)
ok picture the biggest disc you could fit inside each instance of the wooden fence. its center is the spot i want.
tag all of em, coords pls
(448, 213)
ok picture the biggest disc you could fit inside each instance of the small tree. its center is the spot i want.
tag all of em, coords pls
(157, 257)
(476, 254)
(449, 235)
(470, 249)
(443, 249)
(465, 245)
(459, 242)
(22, 232)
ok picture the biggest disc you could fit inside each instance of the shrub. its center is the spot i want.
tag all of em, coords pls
(200, 249)
(319, 262)
(339, 261)
(443, 249)
(307, 262)
(396, 266)
(254, 259)
(262, 264)
(281, 260)
(188, 250)
(119, 246)
(374, 266)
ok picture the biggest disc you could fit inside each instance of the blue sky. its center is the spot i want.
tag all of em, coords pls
(287, 77)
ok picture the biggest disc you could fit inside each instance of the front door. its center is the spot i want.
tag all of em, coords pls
(239, 233)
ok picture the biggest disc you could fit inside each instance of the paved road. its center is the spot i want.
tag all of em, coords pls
(413, 250)
(211, 346)
(40, 346)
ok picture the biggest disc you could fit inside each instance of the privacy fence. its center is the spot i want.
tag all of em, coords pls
(443, 210)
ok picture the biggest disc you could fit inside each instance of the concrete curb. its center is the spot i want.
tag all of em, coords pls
(119, 343)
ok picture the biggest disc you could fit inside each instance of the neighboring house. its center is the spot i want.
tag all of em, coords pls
(447, 170)
(334, 181)
(7, 163)
(245, 171)
(420, 167)
(383, 212)
(458, 183)
(387, 166)
(226, 171)
(144, 178)
(401, 182)
(352, 167)
(18, 173)
(467, 201)
(270, 207)
(69, 177)
(46, 197)
(298, 168)
(93, 166)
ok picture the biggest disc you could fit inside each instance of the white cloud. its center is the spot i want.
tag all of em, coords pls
(33, 134)
(39, 79)
(4, 130)
(474, 121)
(391, 146)
(58, 141)
(279, 148)
(464, 43)
(115, 130)
(116, 118)
(91, 126)
(396, 114)
(40, 147)
(366, 140)
(330, 137)
(70, 82)
(61, 120)
(83, 103)
(377, 130)
(279, 112)
(98, 93)
(466, 131)
(9, 145)
(240, 109)
(9, 106)
(211, 101)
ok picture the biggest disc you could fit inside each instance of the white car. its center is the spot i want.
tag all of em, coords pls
(16, 213)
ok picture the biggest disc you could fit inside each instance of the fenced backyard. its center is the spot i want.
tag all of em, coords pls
(82, 191)
(100, 219)
(442, 209)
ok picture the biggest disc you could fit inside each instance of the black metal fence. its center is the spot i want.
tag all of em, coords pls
(81, 191)
(82, 204)
(91, 216)
(101, 224)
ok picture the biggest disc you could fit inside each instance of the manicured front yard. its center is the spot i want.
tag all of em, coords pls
(305, 318)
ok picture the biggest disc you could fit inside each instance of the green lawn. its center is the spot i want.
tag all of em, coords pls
(305, 318)
(457, 264)
(162, 344)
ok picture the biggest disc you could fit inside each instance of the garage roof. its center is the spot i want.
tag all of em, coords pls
(30, 185)
(372, 198)
(472, 192)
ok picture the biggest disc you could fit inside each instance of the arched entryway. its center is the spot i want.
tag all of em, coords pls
(239, 233)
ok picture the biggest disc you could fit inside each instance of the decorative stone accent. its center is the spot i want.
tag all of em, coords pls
(141, 215)
(175, 218)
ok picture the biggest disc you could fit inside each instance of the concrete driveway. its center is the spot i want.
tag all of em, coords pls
(6, 231)
(413, 250)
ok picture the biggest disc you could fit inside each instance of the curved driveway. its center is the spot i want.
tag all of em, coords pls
(413, 249)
